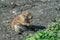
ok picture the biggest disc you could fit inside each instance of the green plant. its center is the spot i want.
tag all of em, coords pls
(53, 33)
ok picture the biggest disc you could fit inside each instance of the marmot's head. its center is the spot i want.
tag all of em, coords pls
(27, 14)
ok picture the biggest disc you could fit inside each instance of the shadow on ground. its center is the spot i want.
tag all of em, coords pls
(36, 28)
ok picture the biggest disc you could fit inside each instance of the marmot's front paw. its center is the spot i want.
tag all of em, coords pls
(29, 24)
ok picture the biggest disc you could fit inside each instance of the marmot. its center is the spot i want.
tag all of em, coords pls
(22, 19)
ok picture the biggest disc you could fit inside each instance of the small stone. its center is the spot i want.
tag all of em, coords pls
(3, 35)
(43, 0)
(14, 11)
(2, 0)
(7, 35)
(12, 2)
(0, 28)
(12, 38)
(58, 4)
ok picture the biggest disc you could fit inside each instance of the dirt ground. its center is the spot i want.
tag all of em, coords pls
(44, 12)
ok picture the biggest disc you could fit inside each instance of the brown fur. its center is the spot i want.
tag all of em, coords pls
(23, 19)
